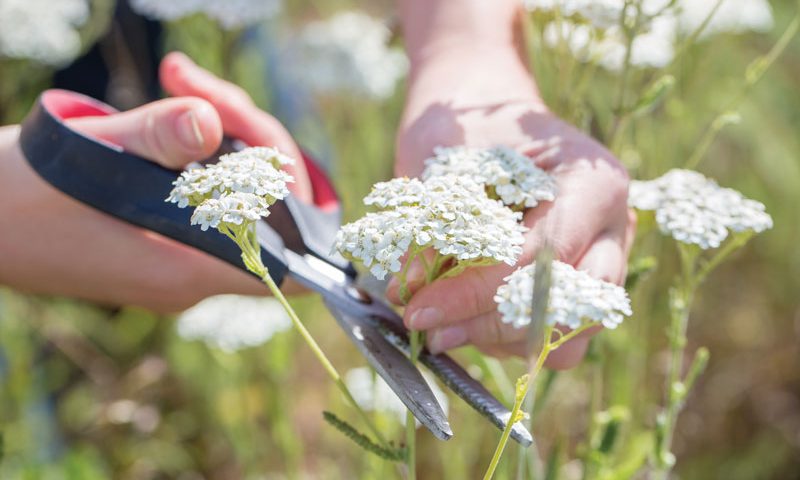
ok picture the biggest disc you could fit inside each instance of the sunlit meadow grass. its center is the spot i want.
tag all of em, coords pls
(88, 392)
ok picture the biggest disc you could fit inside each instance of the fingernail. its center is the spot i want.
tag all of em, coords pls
(447, 338)
(425, 318)
(189, 131)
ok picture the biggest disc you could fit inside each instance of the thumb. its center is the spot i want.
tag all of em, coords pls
(171, 132)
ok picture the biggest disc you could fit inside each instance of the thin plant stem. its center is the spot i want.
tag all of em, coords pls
(753, 74)
(327, 365)
(251, 255)
(524, 384)
(411, 423)
(680, 308)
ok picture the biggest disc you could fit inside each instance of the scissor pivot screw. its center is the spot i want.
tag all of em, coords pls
(359, 294)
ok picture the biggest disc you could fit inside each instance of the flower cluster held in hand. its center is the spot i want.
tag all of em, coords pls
(450, 214)
(509, 176)
(693, 209)
(235, 191)
(576, 298)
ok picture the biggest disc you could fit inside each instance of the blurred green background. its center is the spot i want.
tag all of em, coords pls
(90, 392)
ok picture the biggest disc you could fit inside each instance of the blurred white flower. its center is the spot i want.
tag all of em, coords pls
(42, 30)
(652, 48)
(451, 214)
(733, 16)
(253, 170)
(373, 394)
(510, 176)
(575, 298)
(592, 31)
(696, 210)
(230, 14)
(599, 14)
(348, 53)
(233, 322)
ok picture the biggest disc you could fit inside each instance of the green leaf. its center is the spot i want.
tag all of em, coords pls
(363, 441)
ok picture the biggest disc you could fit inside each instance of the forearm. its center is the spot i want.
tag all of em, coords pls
(434, 26)
(455, 46)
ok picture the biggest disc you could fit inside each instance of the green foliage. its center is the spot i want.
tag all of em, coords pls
(363, 441)
(88, 392)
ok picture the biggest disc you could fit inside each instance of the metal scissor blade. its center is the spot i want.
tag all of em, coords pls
(398, 372)
(540, 299)
(452, 375)
(476, 395)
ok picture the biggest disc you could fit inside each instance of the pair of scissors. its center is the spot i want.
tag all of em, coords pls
(295, 239)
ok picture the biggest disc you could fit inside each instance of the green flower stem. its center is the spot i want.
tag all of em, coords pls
(754, 72)
(524, 383)
(680, 304)
(247, 241)
(416, 341)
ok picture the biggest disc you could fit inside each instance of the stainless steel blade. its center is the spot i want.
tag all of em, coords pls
(452, 375)
(357, 309)
(475, 394)
(395, 368)
(542, 279)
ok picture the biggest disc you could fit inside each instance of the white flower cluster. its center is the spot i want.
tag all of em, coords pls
(348, 53)
(451, 214)
(575, 298)
(510, 176)
(233, 322)
(231, 14)
(373, 394)
(591, 29)
(42, 30)
(235, 208)
(696, 210)
(238, 189)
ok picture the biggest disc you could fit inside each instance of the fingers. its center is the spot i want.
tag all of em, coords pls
(415, 278)
(606, 257)
(486, 330)
(180, 76)
(453, 300)
(171, 132)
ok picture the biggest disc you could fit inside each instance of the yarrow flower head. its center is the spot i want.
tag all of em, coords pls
(241, 185)
(42, 30)
(350, 52)
(229, 209)
(508, 175)
(576, 298)
(233, 322)
(450, 214)
(695, 210)
(231, 14)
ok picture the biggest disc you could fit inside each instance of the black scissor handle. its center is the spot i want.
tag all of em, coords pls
(104, 176)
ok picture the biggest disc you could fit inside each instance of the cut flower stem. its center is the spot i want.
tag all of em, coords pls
(553, 338)
(246, 239)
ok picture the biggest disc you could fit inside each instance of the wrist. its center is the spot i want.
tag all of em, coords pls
(464, 76)
(434, 26)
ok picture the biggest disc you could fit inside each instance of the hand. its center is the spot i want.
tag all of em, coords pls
(494, 101)
(53, 244)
